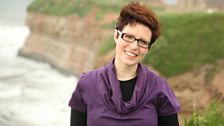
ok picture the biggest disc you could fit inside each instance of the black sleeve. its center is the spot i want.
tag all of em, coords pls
(170, 120)
(78, 118)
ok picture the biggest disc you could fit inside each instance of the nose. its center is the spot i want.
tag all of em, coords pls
(134, 45)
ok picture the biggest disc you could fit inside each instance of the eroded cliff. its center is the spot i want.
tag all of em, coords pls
(67, 43)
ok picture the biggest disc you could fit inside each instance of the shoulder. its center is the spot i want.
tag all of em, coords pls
(152, 76)
(167, 102)
(155, 81)
(91, 76)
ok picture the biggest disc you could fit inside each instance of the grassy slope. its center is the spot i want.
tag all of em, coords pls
(188, 41)
(79, 7)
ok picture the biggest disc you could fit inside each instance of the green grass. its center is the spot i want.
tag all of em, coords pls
(213, 116)
(61, 7)
(79, 7)
(188, 41)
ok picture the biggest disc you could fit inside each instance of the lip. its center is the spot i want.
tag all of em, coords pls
(131, 54)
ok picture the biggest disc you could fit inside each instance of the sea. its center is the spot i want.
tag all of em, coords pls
(32, 93)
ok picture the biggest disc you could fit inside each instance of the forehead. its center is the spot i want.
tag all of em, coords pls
(138, 30)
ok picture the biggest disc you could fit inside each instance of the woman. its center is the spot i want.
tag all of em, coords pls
(124, 92)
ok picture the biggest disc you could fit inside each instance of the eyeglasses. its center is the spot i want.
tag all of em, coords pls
(131, 38)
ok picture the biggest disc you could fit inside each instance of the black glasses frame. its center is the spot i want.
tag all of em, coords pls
(138, 40)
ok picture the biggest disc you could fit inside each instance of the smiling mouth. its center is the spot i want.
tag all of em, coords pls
(130, 54)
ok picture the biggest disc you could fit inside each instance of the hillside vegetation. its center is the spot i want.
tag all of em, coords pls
(67, 7)
(212, 116)
(78, 7)
(188, 41)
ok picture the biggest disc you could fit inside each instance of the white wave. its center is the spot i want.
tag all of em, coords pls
(31, 93)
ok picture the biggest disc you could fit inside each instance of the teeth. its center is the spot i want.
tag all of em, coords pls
(130, 54)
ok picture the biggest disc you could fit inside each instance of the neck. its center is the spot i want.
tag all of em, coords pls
(125, 72)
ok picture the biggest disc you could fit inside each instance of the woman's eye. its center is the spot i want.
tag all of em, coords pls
(143, 42)
(129, 36)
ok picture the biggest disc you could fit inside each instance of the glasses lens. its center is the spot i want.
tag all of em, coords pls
(129, 38)
(143, 44)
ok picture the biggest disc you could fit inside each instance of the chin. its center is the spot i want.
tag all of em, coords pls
(130, 62)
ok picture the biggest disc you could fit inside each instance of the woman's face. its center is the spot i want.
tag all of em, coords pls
(130, 53)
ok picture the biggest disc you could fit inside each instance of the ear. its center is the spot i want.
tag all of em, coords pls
(116, 35)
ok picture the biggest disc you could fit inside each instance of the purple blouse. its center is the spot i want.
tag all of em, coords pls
(98, 93)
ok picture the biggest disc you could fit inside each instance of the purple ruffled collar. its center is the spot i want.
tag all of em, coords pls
(114, 97)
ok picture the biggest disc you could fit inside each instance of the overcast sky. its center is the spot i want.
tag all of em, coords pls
(171, 1)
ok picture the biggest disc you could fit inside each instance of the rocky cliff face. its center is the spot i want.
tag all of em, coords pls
(67, 43)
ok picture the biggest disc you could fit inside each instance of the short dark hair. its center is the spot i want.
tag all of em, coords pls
(135, 13)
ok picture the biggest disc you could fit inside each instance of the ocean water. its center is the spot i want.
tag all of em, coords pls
(31, 93)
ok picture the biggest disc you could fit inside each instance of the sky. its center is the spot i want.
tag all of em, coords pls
(13, 11)
(170, 1)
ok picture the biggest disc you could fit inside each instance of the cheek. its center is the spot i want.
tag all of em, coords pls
(121, 44)
(118, 47)
(144, 53)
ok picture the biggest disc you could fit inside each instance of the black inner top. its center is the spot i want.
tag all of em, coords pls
(127, 88)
